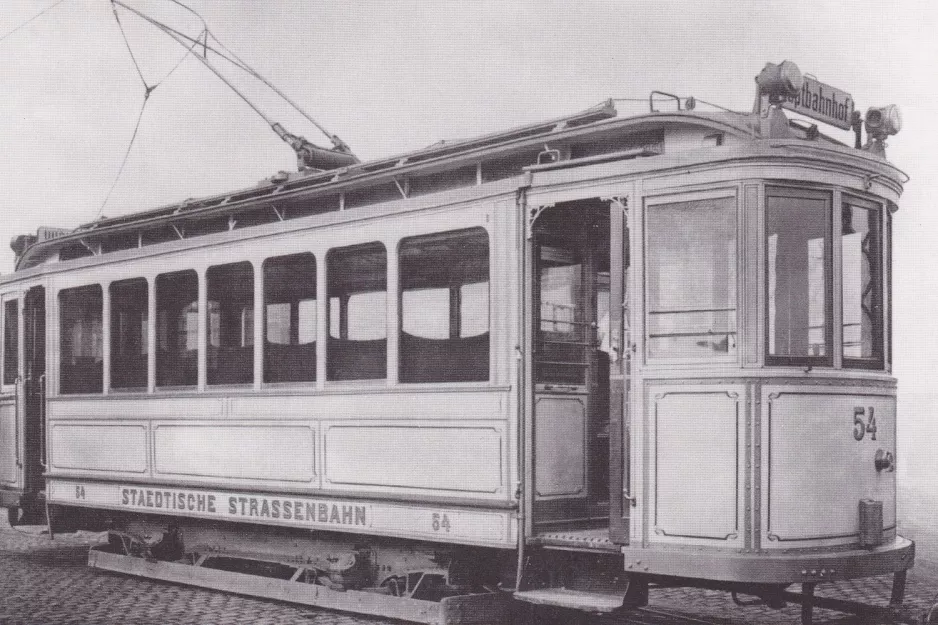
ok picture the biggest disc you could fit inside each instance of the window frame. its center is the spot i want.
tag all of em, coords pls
(317, 342)
(455, 299)
(246, 331)
(155, 327)
(109, 345)
(60, 332)
(12, 296)
(648, 204)
(831, 316)
(330, 375)
(874, 207)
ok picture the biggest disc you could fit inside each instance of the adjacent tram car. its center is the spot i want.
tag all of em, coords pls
(563, 363)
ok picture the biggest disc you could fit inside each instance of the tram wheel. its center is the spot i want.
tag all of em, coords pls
(13, 516)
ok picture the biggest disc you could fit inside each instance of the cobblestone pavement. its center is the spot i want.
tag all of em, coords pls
(47, 582)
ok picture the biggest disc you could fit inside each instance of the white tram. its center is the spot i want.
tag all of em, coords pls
(570, 360)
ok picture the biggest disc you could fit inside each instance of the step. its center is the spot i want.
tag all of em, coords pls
(583, 600)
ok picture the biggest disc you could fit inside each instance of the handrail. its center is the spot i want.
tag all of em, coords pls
(16, 421)
(42, 420)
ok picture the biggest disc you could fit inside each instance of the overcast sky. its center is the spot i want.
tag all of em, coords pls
(389, 77)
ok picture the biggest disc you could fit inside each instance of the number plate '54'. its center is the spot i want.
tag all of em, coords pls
(863, 426)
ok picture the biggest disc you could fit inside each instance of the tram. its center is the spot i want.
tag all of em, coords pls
(564, 364)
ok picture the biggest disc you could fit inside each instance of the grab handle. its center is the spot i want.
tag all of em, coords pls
(42, 419)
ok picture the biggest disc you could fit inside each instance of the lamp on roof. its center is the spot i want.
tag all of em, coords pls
(779, 81)
(881, 122)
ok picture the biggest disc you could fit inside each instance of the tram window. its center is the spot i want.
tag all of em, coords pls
(177, 329)
(692, 279)
(129, 328)
(861, 258)
(798, 253)
(11, 331)
(81, 340)
(357, 313)
(230, 324)
(290, 325)
(445, 307)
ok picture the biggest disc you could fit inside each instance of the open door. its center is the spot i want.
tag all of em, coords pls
(571, 367)
(620, 361)
(34, 398)
(22, 405)
(11, 408)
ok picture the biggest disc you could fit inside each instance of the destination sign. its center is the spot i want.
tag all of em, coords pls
(823, 103)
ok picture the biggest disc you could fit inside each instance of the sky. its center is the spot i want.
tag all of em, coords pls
(389, 77)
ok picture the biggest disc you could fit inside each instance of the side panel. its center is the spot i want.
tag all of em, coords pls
(697, 432)
(238, 451)
(99, 447)
(462, 459)
(819, 450)
(560, 446)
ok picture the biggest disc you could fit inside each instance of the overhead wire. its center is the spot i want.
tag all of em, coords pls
(148, 89)
(48, 8)
(226, 54)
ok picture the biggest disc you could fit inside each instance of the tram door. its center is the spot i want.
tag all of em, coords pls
(34, 389)
(571, 366)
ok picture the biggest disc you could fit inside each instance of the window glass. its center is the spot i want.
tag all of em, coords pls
(290, 327)
(861, 252)
(798, 275)
(81, 340)
(692, 279)
(129, 333)
(444, 307)
(357, 289)
(177, 329)
(230, 313)
(564, 330)
(11, 345)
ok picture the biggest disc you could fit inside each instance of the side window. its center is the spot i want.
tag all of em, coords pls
(861, 258)
(177, 329)
(11, 335)
(445, 307)
(357, 313)
(691, 288)
(230, 324)
(290, 318)
(129, 334)
(798, 281)
(81, 340)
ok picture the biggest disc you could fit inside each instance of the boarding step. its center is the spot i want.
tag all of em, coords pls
(583, 600)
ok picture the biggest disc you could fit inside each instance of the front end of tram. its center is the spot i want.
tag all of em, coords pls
(790, 348)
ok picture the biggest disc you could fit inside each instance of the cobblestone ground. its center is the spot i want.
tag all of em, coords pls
(47, 582)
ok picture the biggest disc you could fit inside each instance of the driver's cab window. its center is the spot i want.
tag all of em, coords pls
(691, 279)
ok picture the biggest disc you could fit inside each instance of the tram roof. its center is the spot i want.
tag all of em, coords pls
(592, 125)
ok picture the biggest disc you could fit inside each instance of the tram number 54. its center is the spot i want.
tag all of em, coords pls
(860, 426)
(440, 522)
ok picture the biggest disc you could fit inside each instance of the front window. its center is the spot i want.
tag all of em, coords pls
(691, 253)
(798, 267)
(862, 284)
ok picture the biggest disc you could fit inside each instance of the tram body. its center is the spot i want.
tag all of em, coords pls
(659, 344)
